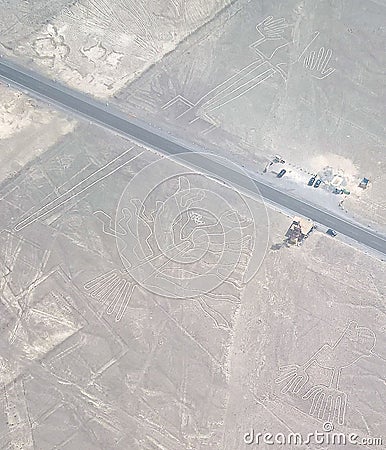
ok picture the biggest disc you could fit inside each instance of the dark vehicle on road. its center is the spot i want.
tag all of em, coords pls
(311, 181)
(331, 232)
(317, 183)
(281, 173)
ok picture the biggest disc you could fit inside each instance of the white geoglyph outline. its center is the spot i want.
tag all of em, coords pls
(123, 259)
(327, 402)
(225, 92)
(104, 287)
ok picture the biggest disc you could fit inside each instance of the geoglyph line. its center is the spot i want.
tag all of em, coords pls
(81, 187)
(237, 85)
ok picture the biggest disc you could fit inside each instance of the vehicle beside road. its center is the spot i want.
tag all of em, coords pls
(317, 183)
(311, 181)
(331, 232)
(278, 159)
(281, 173)
(82, 106)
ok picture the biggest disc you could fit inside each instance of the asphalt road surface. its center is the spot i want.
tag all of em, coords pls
(107, 117)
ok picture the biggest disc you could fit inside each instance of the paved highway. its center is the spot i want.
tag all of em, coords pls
(106, 116)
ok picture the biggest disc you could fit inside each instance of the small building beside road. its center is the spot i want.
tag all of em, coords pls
(299, 230)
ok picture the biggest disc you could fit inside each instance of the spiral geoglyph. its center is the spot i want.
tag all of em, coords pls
(182, 233)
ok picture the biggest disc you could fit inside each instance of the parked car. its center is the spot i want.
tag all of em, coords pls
(317, 183)
(331, 232)
(311, 181)
(337, 191)
(281, 173)
(278, 159)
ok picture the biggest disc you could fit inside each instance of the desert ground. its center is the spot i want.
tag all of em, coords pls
(147, 306)
(179, 365)
(310, 331)
(27, 129)
(160, 371)
(98, 46)
(303, 79)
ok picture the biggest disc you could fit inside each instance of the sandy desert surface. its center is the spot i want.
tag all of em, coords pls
(98, 46)
(145, 305)
(302, 80)
(179, 363)
(27, 129)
